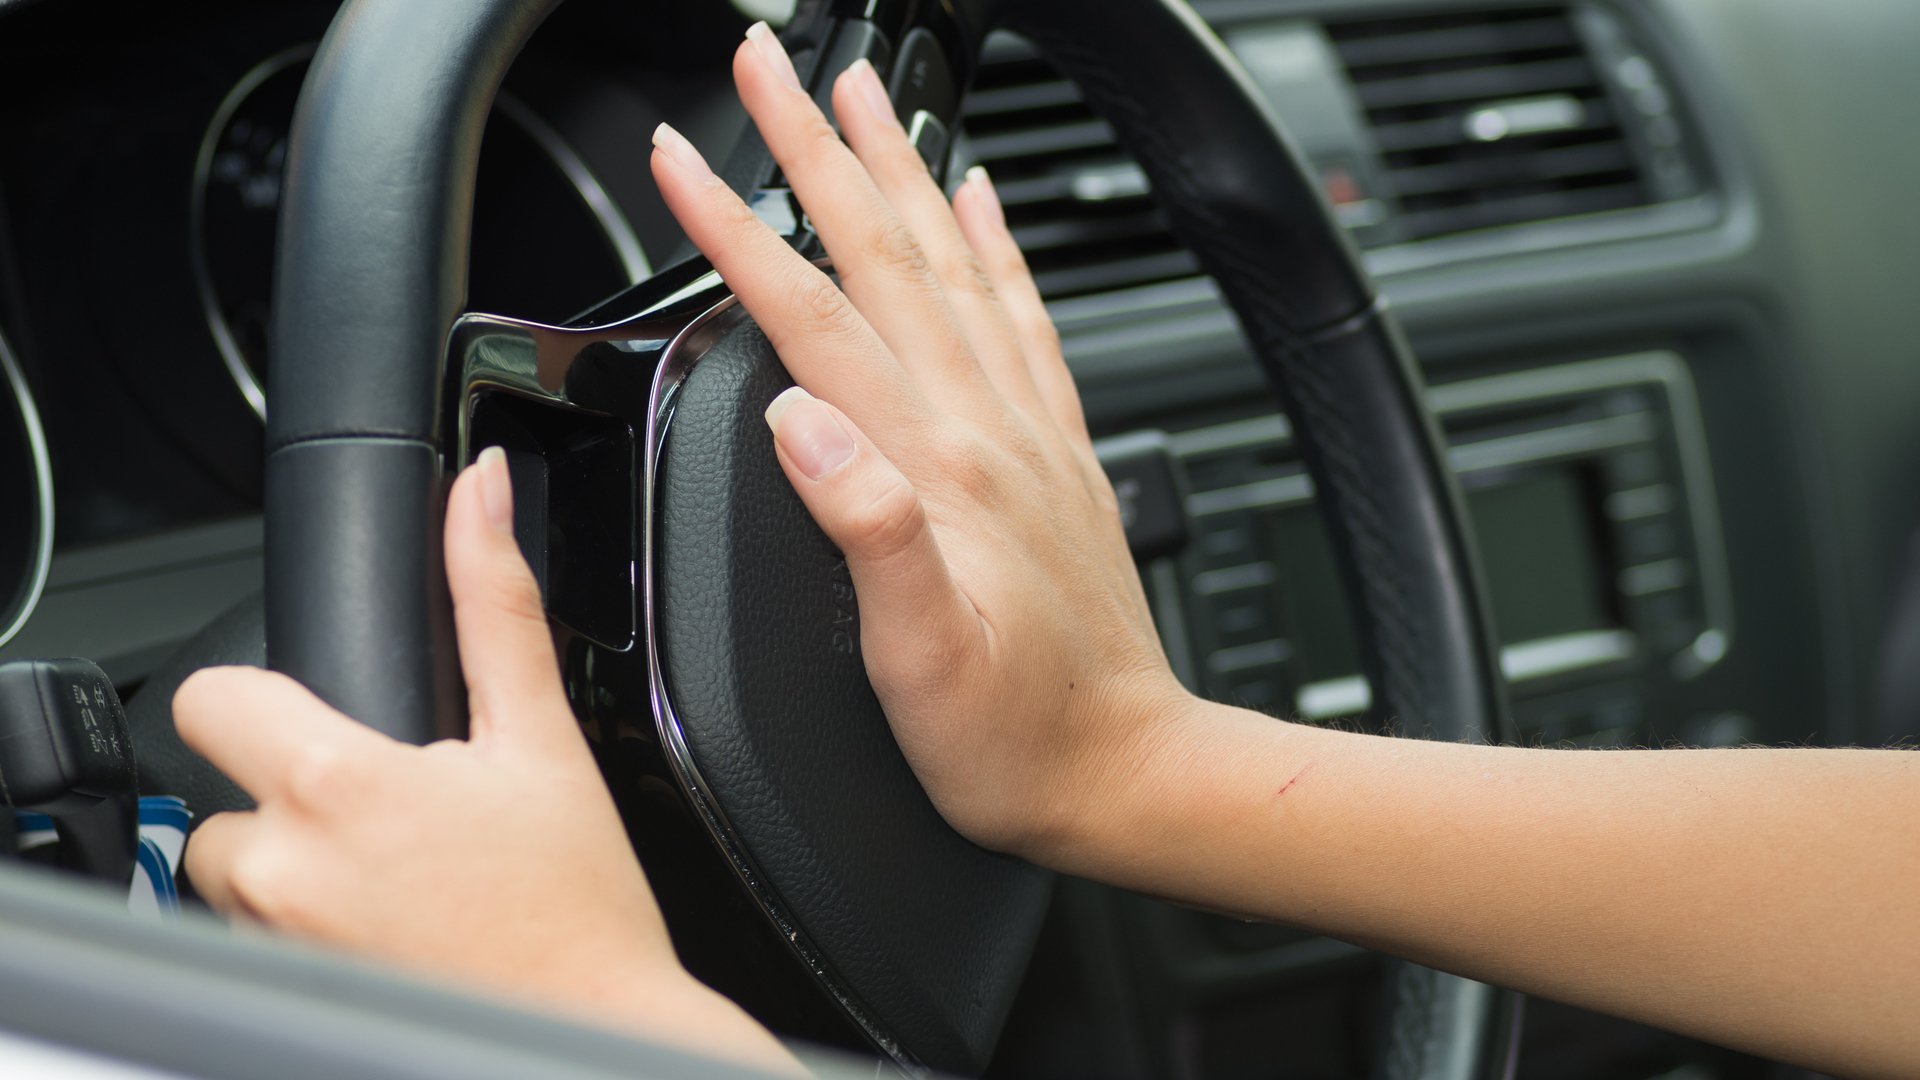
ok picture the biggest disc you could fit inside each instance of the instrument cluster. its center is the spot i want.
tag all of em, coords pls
(26, 494)
(548, 241)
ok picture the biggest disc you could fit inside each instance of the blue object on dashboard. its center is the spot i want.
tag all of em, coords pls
(154, 891)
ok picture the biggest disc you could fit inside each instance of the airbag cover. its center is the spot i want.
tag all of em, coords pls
(757, 639)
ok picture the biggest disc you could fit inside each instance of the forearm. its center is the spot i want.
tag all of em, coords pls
(1764, 899)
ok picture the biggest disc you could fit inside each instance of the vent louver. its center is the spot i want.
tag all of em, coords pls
(1488, 118)
(1080, 208)
(1482, 118)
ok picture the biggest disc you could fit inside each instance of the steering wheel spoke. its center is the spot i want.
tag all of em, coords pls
(571, 406)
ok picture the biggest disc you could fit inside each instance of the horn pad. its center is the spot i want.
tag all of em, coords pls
(763, 698)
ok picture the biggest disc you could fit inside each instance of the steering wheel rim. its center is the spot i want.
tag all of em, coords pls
(365, 417)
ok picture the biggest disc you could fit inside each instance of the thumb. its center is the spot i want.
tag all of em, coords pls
(875, 517)
(506, 649)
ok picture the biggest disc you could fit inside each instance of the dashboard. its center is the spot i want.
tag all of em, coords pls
(1653, 254)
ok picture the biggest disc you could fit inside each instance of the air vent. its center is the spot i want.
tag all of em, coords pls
(1488, 118)
(1481, 118)
(1080, 208)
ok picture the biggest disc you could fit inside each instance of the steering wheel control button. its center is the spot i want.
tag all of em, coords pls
(929, 136)
(923, 79)
(1152, 490)
(856, 39)
(65, 752)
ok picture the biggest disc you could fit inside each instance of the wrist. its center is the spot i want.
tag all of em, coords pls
(1149, 732)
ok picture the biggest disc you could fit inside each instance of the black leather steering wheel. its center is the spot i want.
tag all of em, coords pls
(693, 600)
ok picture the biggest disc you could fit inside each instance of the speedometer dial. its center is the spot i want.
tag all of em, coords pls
(547, 240)
(26, 500)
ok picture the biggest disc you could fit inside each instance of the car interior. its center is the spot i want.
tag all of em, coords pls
(1608, 300)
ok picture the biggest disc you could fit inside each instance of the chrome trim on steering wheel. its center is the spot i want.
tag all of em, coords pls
(674, 330)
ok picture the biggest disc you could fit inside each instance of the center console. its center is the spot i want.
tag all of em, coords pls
(1589, 490)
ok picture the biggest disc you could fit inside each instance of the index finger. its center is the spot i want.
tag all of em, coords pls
(259, 727)
(825, 342)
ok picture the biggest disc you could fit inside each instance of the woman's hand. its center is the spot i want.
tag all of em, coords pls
(938, 439)
(498, 863)
(1004, 628)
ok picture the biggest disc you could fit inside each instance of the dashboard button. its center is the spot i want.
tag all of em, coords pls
(1151, 490)
(1264, 690)
(1241, 616)
(1649, 540)
(1634, 468)
(1224, 540)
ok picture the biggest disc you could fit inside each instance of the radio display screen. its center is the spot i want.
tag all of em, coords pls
(1539, 547)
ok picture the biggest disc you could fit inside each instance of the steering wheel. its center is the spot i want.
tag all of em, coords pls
(693, 600)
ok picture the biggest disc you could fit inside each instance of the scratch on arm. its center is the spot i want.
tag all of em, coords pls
(1288, 786)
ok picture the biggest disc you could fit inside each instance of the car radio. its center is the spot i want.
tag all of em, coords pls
(1589, 492)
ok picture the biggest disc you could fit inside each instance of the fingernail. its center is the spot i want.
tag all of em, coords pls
(496, 488)
(866, 82)
(977, 176)
(809, 432)
(681, 152)
(773, 54)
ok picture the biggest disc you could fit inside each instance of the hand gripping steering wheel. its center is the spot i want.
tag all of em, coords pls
(692, 598)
